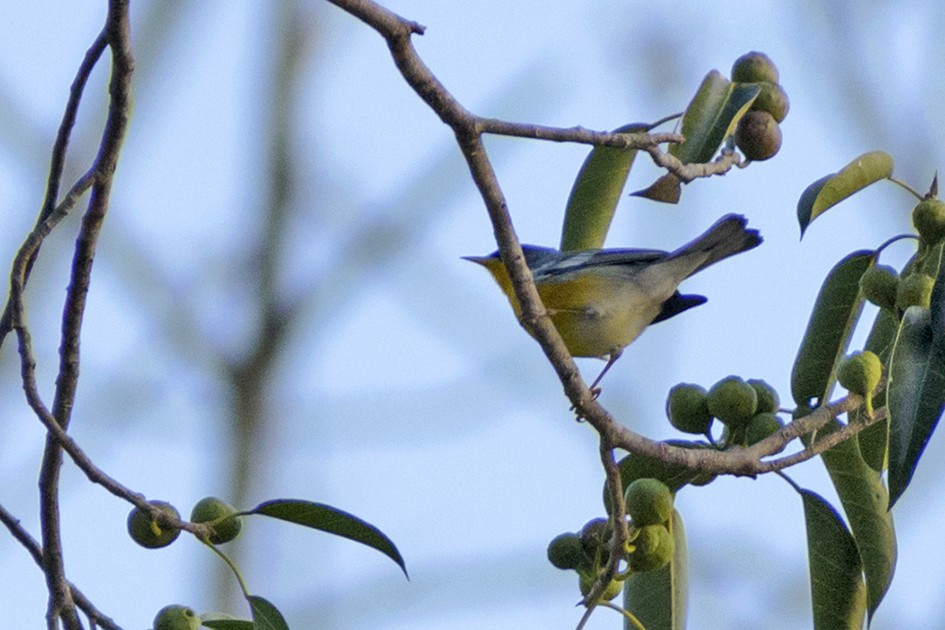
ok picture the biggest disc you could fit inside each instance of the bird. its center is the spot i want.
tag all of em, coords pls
(601, 300)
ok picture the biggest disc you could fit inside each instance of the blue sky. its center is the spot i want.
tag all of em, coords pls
(407, 393)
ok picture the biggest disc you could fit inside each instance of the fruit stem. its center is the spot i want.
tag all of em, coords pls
(903, 184)
(233, 567)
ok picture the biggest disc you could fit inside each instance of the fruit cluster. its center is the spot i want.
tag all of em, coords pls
(650, 545)
(883, 286)
(747, 409)
(758, 132)
(159, 530)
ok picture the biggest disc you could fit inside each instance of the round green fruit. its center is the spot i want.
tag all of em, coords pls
(226, 525)
(150, 532)
(594, 538)
(754, 67)
(176, 617)
(772, 99)
(860, 372)
(879, 284)
(928, 217)
(649, 502)
(654, 548)
(915, 290)
(565, 551)
(758, 136)
(762, 425)
(733, 401)
(768, 399)
(687, 410)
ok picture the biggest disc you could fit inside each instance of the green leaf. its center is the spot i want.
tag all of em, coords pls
(836, 580)
(865, 500)
(874, 440)
(595, 194)
(660, 599)
(828, 191)
(916, 395)
(228, 624)
(332, 520)
(832, 320)
(711, 116)
(265, 615)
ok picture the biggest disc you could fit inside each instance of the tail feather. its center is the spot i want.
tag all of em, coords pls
(727, 236)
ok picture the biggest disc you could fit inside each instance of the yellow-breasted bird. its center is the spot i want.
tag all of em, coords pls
(600, 300)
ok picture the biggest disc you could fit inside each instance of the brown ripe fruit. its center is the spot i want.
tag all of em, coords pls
(758, 136)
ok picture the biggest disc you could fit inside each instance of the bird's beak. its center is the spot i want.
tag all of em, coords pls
(479, 260)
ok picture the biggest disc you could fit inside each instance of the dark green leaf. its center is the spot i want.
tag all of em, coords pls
(865, 501)
(836, 580)
(228, 624)
(265, 615)
(916, 394)
(595, 194)
(660, 599)
(874, 440)
(332, 520)
(711, 116)
(828, 332)
(828, 191)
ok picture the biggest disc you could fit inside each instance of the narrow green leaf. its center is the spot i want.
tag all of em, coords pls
(864, 499)
(660, 599)
(832, 320)
(332, 520)
(595, 194)
(874, 440)
(916, 394)
(711, 116)
(265, 615)
(228, 624)
(828, 191)
(836, 580)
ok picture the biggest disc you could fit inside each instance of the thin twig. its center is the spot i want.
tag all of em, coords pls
(31, 545)
(468, 128)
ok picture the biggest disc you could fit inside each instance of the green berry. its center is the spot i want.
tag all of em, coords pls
(762, 425)
(595, 535)
(928, 217)
(153, 533)
(914, 290)
(687, 409)
(176, 617)
(860, 372)
(226, 525)
(654, 548)
(879, 285)
(772, 99)
(565, 551)
(758, 136)
(649, 502)
(768, 399)
(754, 67)
(733, 401)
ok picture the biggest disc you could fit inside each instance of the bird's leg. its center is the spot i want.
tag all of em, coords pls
(595, 390)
